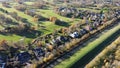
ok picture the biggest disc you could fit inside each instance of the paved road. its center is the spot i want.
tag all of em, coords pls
(70, 53)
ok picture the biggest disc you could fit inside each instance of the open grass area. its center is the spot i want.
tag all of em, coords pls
(82, 52)
(49, 26)
(29, 3)
(47, 13)
(14, 38)
(21, 14)
(44, 13)
(51, 13)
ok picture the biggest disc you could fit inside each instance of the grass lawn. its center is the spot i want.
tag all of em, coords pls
(51, 13)
(14, 38)
(8, 16)
(50, 27)
(82, 52)
(29, 18)
(29, 3)
(44, 13)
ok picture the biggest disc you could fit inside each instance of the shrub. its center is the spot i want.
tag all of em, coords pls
(21, 7)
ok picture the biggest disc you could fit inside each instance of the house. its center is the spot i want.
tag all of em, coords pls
(2, 65)
(30, 12)
(68, 12)
(94, 17)
(38, 53)
(23, 57)
(3, 60)
(59, 40)
(53, 41)
(74, 35)
(56, 42)
(117, 3)
(62, 38)
(95, 24)
(88, 28)
(83, 31)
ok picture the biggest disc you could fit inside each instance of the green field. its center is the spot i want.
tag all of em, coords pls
(49, 26)
(46, 13)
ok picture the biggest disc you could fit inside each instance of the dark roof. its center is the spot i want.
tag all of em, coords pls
(2, 65)
(23, 57)
(39, 52)
(3, 59)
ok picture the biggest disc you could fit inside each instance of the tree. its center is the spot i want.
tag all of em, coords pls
(53, 19)
(5, 4)
(84, 20)
(18, 18)
(8, 20)
(35, 18)
(39, 5)
(17, 1)
(64, 30)
(28, 12)
(4, 44)
(50, 47)
(21, 7)
(13, 14)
